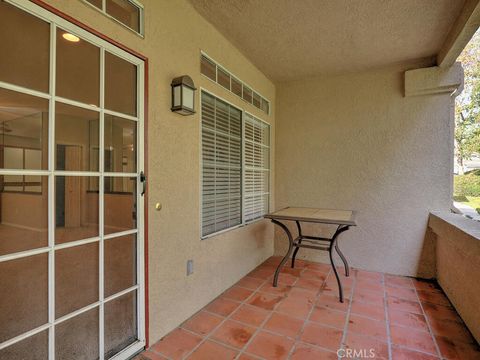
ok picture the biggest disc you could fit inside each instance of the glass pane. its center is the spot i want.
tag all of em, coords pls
(78, 69)
(265, 105)
(34, 185)
(25, 43)
(23, 127)
(223, 78)
(17, 231)
(24, 299)
(77, 338)
(76, 209)
(188, 97)
(13, 158)
(120, 145)
(96, 3)
(120, 323)
(256, 100)
(33, 159)
(120, 85)
(120, 264)
(207, 68)
(33, 348)
(247, 94)
(236, 87)
(76, 134)
(265, 204)
(265, 134)
(125, 12)
(120, 204)
(76, 278)
(265, 158)
(177, 97)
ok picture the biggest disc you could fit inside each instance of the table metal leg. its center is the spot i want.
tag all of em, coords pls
(287, 255)
(333, 244)
(299, 241)
(344, 259)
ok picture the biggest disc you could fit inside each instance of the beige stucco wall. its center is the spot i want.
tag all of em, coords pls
(355, 142)
(458, 251)
(174, 36)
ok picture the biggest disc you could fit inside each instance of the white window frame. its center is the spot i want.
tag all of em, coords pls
(244, 84)
(244, 167)
(135, 3)
(243, 112)
(56, 22)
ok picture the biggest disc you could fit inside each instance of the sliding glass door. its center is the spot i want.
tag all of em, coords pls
(71, 205)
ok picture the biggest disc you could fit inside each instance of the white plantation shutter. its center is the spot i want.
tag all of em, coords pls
(257, 168)
(221, 165)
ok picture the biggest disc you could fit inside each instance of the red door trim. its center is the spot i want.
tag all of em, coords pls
(69, 18)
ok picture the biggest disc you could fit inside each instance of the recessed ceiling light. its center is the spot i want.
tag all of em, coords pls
(71, 37)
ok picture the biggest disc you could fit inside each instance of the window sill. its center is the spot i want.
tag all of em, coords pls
(231, 228)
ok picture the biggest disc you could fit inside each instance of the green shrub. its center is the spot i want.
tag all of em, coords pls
(468, 184)
(460, 198)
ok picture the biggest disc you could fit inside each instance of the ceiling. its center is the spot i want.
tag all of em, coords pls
(294, 39)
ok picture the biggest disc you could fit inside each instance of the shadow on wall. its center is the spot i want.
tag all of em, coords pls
(426, 267)
(261, 234)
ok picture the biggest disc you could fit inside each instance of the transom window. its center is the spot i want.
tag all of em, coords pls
(235, 166)
(127, 12)
(224, 78)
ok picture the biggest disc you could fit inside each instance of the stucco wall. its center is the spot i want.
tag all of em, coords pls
(174, 36)
(355, 142)
(458, 250)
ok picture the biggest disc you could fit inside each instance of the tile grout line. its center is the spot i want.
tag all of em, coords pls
(409, 327)
(437, 348)
(306, 320)
(228, 317)
(347, 318)
(261, 326)
(207, 336)
(256, 291)
(300, 333)
(387, 318)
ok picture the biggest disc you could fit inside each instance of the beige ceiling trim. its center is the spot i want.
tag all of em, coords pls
(462, 31)
(434, 80)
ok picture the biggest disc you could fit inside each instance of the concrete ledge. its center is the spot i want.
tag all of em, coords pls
(434, 80)
(458, 264)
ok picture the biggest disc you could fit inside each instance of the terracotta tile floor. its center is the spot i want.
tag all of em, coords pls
(394, 317)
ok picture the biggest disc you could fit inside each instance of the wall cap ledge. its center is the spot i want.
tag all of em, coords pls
(463, 233)
(434, 80)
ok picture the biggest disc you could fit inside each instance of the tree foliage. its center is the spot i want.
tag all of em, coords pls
(467, 109)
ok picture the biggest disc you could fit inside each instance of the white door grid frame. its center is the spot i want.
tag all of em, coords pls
(99, 175)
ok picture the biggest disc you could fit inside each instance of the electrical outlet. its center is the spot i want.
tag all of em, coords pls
(189, 267)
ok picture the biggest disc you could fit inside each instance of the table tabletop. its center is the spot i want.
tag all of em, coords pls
(315, 215)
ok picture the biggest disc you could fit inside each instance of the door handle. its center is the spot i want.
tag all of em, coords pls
(143, 180)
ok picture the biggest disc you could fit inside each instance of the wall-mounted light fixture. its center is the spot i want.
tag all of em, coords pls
(183, 95)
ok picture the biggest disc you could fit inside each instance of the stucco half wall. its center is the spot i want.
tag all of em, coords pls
(356, 142)
(174, 36)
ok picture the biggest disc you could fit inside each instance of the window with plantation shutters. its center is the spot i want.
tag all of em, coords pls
(221, 165)
(257, 168)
